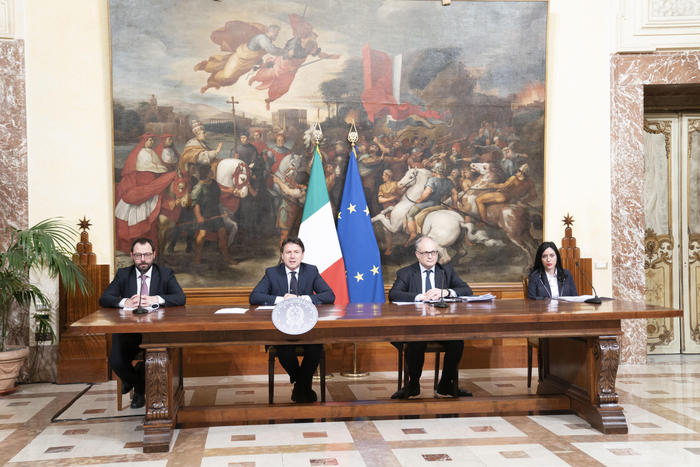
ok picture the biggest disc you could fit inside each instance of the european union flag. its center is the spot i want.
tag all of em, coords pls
(357, 240)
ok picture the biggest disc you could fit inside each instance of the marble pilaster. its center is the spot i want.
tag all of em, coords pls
(629, 74)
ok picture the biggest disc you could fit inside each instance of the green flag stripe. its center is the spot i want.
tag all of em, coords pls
(317, 193)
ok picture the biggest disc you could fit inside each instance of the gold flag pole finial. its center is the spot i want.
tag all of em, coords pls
(317, 133)
(352, 134)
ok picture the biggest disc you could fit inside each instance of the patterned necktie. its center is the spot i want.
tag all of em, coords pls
(293, 283)
(428, 285)
(144, 285)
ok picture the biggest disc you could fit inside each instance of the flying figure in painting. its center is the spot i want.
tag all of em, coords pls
(244, 46)
(277, 73)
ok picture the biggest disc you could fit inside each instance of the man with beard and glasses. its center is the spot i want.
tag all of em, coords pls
(148, 285)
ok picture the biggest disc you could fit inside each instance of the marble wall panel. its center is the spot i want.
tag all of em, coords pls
(14, 194)
(13, 138)
(629, 74)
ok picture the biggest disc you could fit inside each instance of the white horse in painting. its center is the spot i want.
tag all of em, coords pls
(233, 177)
(413, 182)
(514, 220)
(445, 226)
(488, 173)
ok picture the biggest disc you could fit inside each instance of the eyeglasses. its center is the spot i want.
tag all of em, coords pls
(427, 253)
(141, 255)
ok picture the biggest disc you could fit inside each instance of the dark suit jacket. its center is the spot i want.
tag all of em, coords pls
(163, 283)
(409, 282)
(538, 285)
(274, 284)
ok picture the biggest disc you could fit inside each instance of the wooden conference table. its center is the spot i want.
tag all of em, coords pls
(580, 350)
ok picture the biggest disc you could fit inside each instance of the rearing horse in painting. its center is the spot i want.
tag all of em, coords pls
(413, 182)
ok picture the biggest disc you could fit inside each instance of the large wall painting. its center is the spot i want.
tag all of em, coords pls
(213, 102)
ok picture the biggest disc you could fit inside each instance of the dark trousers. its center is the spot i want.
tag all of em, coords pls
(304, 372)
(124, 349)
(415, 357)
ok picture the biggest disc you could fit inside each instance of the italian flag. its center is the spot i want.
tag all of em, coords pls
(318, 233)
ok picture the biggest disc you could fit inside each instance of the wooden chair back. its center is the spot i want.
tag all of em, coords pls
(570, 255)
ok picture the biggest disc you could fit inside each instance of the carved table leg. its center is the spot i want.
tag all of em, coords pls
(585, 370)
(608, 416)
(163, 397)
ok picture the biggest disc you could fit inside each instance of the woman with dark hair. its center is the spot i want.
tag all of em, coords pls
(548, 279)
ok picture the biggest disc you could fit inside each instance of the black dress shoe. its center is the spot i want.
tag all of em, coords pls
(311, 396)
(138, 401)
(451, 390)
(411, 390)
(126, 387)
(303, 394)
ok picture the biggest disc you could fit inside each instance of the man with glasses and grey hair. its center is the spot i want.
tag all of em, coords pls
(147, 285)
(427, 280)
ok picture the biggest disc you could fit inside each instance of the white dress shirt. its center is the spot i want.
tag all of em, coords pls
(553, 284)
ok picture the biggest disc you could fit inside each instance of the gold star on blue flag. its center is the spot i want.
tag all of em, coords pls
(357, 241)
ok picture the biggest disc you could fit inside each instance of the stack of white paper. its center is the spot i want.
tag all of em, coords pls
(478, 298)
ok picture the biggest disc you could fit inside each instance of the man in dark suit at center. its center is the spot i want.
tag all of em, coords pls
(424, 281)
(146, 284)
(290, 279)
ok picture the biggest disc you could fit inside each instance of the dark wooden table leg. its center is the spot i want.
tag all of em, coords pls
(585, 369)
(608, 415)
(164, 395)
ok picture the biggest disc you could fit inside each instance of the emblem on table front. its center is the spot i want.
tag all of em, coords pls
(295, 316)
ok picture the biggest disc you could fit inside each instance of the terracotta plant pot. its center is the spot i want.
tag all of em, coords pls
(10, 362)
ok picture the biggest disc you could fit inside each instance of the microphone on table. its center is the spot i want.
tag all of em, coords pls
(140, 310)
(441, 303)
(595, 299)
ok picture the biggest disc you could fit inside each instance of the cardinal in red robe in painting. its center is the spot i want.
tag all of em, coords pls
(144, 177)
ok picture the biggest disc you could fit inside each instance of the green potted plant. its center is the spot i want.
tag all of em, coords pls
(45, 246)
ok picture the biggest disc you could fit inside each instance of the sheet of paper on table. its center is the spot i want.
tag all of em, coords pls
(230, 311)
(266, 307)
(575, 298)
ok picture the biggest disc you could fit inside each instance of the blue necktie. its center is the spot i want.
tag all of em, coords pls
(428, 286)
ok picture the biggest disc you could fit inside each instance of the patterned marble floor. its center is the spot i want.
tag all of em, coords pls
(661, 402)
